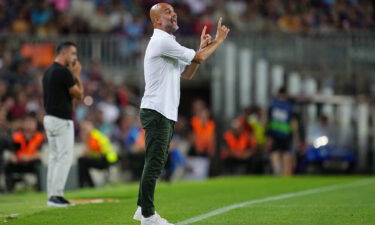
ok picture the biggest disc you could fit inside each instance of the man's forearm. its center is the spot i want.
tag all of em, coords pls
(204, 53)
(190, 71)
(79, 82)
(80, 87)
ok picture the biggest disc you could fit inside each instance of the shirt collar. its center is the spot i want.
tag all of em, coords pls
(162, 33)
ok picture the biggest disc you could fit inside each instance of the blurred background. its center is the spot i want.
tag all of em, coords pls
(319, 53)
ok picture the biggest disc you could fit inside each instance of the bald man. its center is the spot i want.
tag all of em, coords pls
(165, 62)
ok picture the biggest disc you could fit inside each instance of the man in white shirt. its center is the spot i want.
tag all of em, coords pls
(165, 62)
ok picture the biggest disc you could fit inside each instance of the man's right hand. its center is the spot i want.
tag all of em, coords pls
(221, 32)
(76, 90)
(210, 46)
(75, 69)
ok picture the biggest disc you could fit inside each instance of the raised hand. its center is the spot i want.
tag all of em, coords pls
(221, 32)
(75, 68)
(205, 38)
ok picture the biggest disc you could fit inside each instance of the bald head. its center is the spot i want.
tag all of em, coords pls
(155, 11)
(163, 17)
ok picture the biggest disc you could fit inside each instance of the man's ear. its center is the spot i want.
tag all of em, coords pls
(157, 20)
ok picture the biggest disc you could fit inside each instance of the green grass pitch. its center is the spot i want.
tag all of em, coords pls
(183, 200)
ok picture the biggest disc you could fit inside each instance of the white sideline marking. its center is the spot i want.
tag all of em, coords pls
(275, 198)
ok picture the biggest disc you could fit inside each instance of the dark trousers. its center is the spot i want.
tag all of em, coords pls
(84, 164)
(159, 132)
(14, 169)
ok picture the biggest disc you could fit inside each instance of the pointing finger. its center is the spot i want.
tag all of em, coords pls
(219, 23)
(203, 32)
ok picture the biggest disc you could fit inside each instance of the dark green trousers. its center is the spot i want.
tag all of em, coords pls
(159, 132)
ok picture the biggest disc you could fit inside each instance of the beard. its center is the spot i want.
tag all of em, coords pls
(171, 28)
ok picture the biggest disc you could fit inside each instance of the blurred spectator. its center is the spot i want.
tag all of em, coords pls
(100, 22)
(85, 9)
(98, 153)
(290, 22)
(179, 147)
(239, 148)
(257, 122)
(203, 134)
(19, 110)
(134, 146)
(26, 158)
(40, 55)
(281, 128)
(198, 105)
(40, 14)
(21, 24)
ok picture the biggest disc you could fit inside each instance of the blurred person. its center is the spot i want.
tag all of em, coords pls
(26, 157)
(19, 109)
(104, 126)
(33, 104)
(40, 13)
(100, 22)
(134, 30)
(290, 22)
(135, 146)
(84, 9)
(98, 153)
(165, 62)
(61, 84)
(21, 24)
(120, 134)
(119, 15)
(124, 123)
(203, 134)
(249, 20)
(197, 106)
(109, 108)
(257, 121)
(239, 147)
(281, 128)
(123, 96)
(197, 7)
(179, 147)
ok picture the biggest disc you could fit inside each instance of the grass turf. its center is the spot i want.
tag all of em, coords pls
(183, 200)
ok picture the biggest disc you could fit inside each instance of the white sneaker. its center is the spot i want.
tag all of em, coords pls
(138, 214)
(154, 220)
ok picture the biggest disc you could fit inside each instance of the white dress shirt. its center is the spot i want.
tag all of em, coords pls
(165, 60)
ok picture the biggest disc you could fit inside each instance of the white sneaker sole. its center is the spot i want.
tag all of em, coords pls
(52, 204)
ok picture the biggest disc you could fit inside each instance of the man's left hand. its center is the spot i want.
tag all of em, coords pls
(206, 39)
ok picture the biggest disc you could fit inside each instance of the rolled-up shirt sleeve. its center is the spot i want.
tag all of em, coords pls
(173, 49)
(182, 66)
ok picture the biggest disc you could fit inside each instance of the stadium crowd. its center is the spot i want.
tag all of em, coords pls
(108, 115)
(129, 17)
